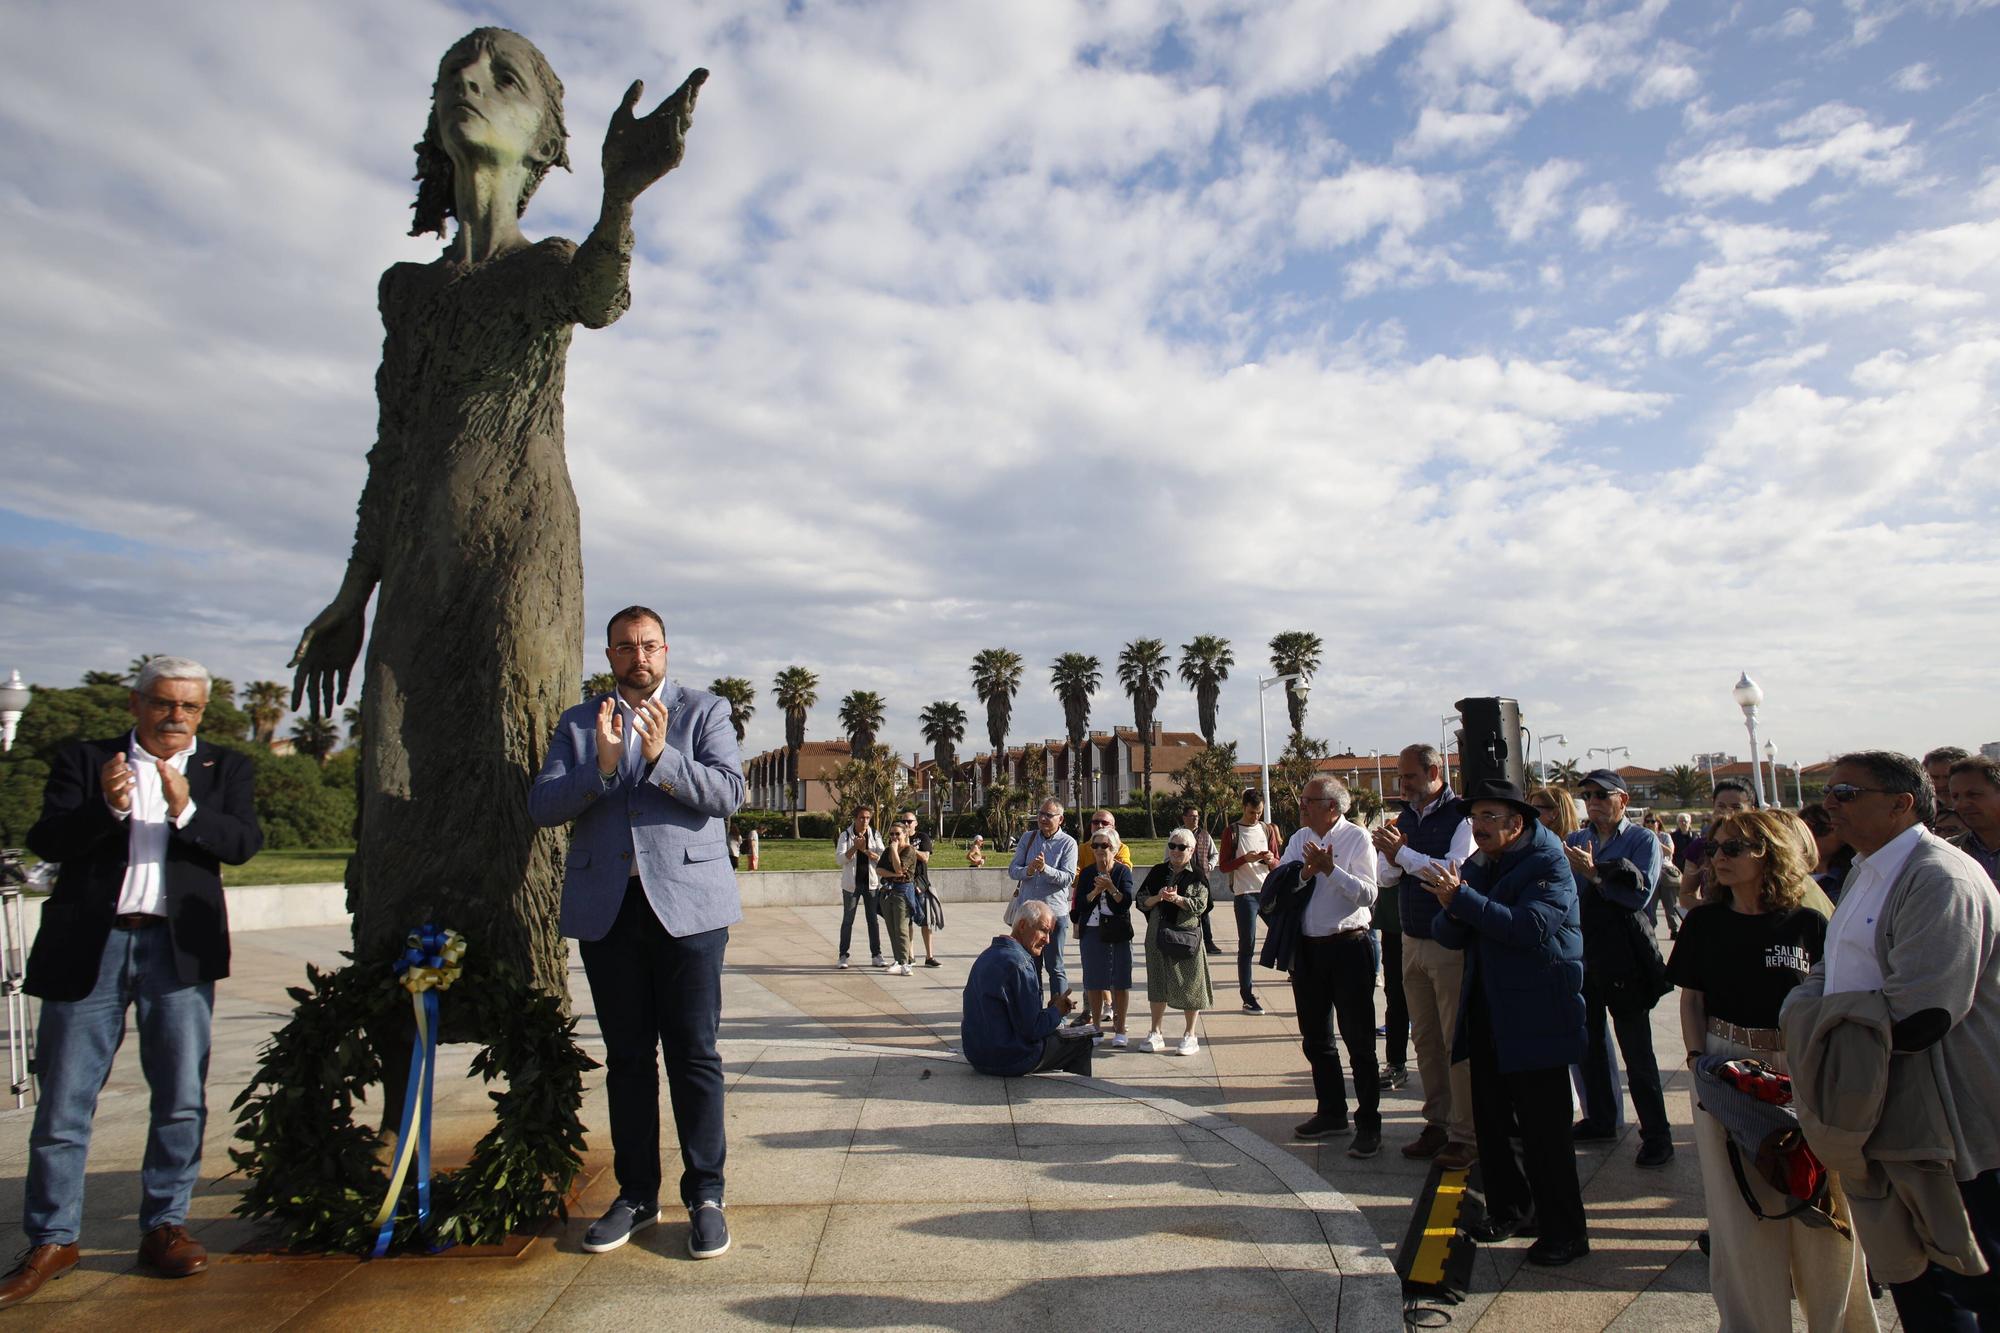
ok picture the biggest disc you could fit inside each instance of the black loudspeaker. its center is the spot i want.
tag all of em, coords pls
(1489, 743)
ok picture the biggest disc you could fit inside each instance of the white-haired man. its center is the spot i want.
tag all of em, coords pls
(1004, 1027)
(141, 824)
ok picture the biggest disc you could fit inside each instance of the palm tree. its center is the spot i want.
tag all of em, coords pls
(1295, 652)
(741, 696)
(138, 665)
(797, 690)
(1142, 670)
(861, 715)
(351, 715)
(1205, 663)
(1684, 783)
(266, 702)
(597, 683)
(996, 679)
(1566, 774)
(1075, 678)
(943, 723)
(104, 678)
(315, 736)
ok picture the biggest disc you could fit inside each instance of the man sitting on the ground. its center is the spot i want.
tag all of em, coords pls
(1004, 1028)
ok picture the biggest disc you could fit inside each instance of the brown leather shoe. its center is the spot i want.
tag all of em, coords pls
(1427, 1144)
(44, 1263)
(171, 1252)
(1458, 1157)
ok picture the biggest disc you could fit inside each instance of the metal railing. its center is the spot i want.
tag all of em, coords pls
(15, 879)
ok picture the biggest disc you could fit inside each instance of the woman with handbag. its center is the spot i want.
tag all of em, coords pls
(1173, 897)
(1101, 913)
(1736, 961)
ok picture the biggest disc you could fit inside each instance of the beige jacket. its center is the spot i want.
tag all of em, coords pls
(1878, 1120)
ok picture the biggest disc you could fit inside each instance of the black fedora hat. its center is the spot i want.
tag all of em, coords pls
(1494, 789)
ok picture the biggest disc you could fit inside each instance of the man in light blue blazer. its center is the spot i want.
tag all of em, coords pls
(646, 775)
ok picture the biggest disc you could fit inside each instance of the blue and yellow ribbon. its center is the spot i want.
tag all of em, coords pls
(429, 963)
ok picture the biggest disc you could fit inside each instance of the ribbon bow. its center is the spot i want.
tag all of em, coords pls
(429, 963)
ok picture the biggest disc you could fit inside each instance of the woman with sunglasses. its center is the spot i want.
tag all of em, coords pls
(1101, 913)
(1737, 959)
(1174, 894)
(1557, 809)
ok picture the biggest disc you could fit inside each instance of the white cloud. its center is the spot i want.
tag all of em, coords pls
(1794, 22)
(1915, 78)
(1667, 80)
(1442, 131)
(1598, 222)
(1347, 207)
(1834, 137)
(1535, 198)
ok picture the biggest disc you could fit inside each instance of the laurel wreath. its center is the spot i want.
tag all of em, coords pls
(317, 1174)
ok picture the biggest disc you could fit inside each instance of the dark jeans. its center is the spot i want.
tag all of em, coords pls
(1333, 980)
(1537, 1100)
(1246, 941)
(849, 898)
(1633, 1022)
(76, 1043)
(1396, 1008)
(1063, 1055)
(653, 992)
(1951, 1302)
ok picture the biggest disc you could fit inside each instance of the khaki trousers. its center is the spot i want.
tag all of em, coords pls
(1756, 1267)
(1432, 976)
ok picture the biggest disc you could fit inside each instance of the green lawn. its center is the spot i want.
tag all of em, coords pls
(329, 865)
(306, 866)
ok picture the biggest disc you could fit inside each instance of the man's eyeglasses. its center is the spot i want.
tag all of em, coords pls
(1734, 847)
(1050, 814)
(1842, 792)
(1595, 794)
(1493, 816)
(159, 705)
(641, 649)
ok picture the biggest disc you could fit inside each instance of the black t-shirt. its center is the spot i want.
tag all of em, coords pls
(1744, 965)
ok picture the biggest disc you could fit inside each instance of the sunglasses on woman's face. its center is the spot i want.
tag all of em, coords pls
(1738, 847)
(1101, 846)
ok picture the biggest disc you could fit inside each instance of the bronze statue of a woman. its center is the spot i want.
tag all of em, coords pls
(468, 523)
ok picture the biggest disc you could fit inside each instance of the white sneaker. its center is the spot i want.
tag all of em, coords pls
(1189, 1045)
(903, 969)
(880, 961)
(1118, 1041)
(842, 964)
(1156, 1041)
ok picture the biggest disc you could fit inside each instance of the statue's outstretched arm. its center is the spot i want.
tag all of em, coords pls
(638, 150)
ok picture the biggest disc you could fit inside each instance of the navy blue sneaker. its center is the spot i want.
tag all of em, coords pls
(624, 1217)
(708, 1233)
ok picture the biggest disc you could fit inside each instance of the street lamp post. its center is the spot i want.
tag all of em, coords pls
(14, 698)
(1445, 724)
(1542, 754)
(1748, 695)
(1263, 735)
(1771, 764)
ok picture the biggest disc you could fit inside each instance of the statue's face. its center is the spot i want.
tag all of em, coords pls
(488, 110)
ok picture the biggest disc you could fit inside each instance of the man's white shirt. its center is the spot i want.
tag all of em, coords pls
(145, 887)
(1852, 963)
(1409, 859)
(1344, 897)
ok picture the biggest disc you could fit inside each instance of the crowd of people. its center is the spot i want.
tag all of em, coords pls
(1846, 956)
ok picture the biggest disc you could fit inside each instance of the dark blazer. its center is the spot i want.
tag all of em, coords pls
(1516, 918)
(78, 831)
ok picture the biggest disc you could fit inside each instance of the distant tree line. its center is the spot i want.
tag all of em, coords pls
(304, 799)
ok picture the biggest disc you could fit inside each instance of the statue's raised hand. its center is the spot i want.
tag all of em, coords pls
(638, 150)
(325, 656)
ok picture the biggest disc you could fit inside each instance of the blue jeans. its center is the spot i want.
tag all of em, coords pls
(1051, 959)
(1246, 941)
(849, 899)
(76, 1042)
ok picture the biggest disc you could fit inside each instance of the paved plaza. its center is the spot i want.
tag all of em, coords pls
(876, 1182)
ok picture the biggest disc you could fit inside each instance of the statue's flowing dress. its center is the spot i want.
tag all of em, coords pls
(469, 524)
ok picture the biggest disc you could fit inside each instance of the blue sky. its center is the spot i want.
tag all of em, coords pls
(1588, 354)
